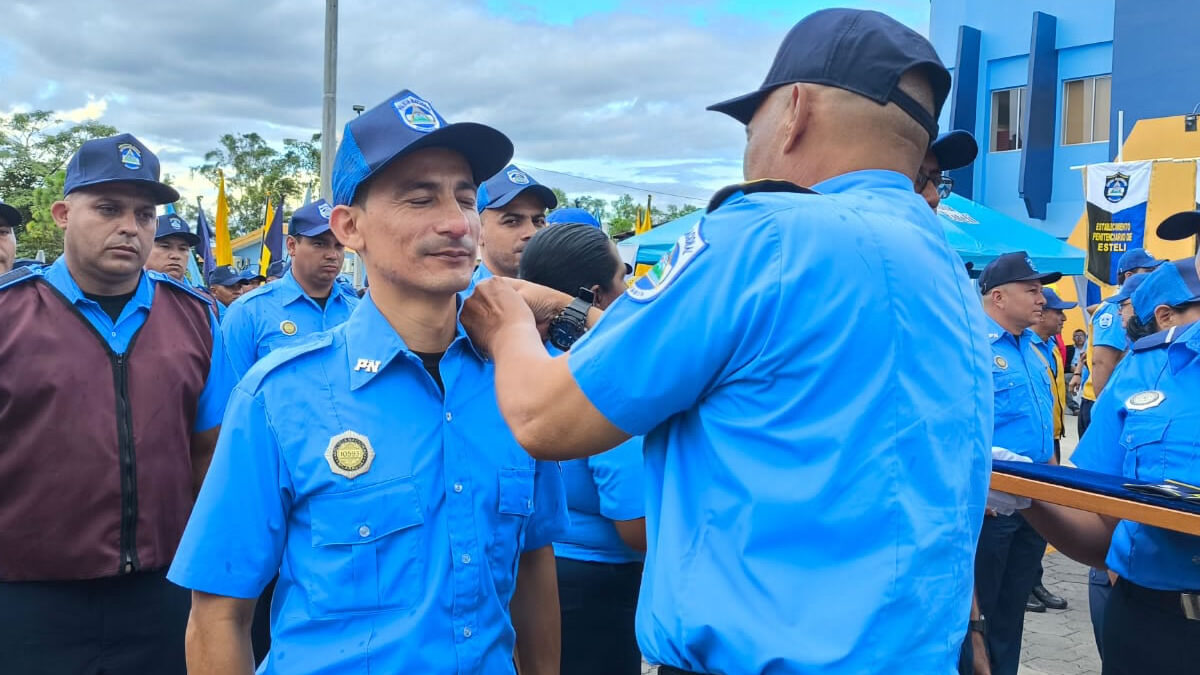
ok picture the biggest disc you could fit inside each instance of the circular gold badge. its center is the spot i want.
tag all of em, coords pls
(350, 454)
(1001, 363)
(287, 327)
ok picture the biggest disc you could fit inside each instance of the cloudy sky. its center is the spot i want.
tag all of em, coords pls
(611, 90)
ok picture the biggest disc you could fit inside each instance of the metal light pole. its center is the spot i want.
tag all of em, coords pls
(329, 101)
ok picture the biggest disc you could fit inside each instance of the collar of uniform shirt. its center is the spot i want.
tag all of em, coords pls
(867, 178)
(290, 290)
(997, 332)
(1185, 349)
(372, 343)
(60, 277)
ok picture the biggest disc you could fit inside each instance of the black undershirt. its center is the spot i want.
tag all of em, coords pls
(112, 305)
(321, 301)
(432, 363)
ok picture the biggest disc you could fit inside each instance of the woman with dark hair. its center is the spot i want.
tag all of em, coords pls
(600, 559)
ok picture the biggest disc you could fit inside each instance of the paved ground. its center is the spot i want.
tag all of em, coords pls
(1056, 642)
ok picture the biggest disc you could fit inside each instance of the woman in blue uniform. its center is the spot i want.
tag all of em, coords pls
(600, 559)
(1145, 426)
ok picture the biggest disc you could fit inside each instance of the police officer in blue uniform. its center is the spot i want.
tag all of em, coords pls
(789, 529)
(512, 207)
(102, 463)
(370, 467)
(952, 150)
(1144, 426)
(173, 245)
(305, 301)
(227, 283)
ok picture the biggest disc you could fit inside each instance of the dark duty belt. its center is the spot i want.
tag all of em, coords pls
(1182, 603)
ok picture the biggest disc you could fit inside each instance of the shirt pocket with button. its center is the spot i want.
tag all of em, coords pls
(366, 549)
(513, 509)
(1008, 393)
(1142, 439)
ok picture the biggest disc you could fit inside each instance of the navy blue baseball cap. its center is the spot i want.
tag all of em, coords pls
(1135, 258)
(171, 225)
(862, 51)
(955, 149)
(117, 159)
(507, 184)
(1055, 302)
(1179, 226)
(1173, 284)
(1012, 267)
(10, 216)
(572, 215)
(310, 220)
(406, 123)
(277, 269)
(226, 275)
(1131, 284)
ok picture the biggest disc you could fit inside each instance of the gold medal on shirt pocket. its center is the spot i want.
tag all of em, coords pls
(288, 327)
(349, 454)
(1000, 362)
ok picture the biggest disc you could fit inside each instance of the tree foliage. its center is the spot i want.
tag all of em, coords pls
(253, 170)
(620, 214)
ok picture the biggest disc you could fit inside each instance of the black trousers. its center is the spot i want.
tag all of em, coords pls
(598, 602)
(1085, 416)
(1146, 633)
(1006, 567)
(127, 625)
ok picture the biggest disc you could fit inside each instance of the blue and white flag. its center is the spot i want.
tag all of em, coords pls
(1116, 209)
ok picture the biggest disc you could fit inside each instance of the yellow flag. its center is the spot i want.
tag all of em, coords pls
(264, 258)
(224, 248)
(644, 224)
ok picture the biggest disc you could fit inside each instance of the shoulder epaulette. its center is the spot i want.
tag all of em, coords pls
(159, 277)
(17, 275)
(256, 292)
(1160, 339)
(279, 357)
(765, 185)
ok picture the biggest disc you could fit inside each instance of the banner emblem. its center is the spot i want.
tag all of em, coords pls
(1115, 187)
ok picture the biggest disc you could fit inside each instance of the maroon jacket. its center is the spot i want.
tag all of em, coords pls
(95, 455)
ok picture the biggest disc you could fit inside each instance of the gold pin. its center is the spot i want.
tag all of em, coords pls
(1001, 363)
(287, 327)
(349, 454)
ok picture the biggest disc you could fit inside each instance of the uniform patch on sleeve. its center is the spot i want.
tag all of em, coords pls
(1105, 320)
(669, 267)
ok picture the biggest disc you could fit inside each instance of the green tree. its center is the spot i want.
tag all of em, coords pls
(254, 169)
(41, 232)
(33, 146)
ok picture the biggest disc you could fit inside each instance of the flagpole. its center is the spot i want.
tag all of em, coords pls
(329, 102)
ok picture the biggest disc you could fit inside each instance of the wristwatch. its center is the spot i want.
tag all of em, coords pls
(571, 323)
(978, 625)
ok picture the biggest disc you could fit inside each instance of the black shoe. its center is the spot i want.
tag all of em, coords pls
(1049, 599)
(1033, 604)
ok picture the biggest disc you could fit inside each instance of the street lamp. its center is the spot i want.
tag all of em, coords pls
(358, 109)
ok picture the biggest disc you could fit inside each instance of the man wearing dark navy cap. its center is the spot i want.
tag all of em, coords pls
(114, 381)
(369, 466)
(10, 220)
(227, 283)
(173, 245)
(1180, 226)
(512, 207)
(303, 302)
(752, 435)
(952, 150)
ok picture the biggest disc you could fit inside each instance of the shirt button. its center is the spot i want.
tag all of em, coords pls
(458, 487)
(114, 334)
(466, 632)
(466, 558)
(449, 417)
(529, 504)
(364, 531)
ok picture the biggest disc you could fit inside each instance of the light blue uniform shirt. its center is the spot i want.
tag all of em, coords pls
(407, 567)
(259, 322)
(120, 333)
(1023, 398)
(481, 272)
(1136, 434)
(1107, 331)
(799, 520)
(600, 489)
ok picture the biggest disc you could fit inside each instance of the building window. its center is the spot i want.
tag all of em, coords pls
(1008, 124)
(1086, 105)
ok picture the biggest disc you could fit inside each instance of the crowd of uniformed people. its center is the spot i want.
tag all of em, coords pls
(502, 459)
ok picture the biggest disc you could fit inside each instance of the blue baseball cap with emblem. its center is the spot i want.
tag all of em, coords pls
(1010, 268)
(226, 275)
(1131, 284)
(862, 51)
(404, 124)
(117, 159)
(571, 216)
(1179, 226)
(955, 149)
(1173, 284)
(1055, 302)
(506, 185)
(310, 220)
(1136, 258)
(171, 225)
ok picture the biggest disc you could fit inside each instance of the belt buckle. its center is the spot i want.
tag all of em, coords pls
(1191, 605)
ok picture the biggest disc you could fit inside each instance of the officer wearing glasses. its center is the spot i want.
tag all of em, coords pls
(952, 150)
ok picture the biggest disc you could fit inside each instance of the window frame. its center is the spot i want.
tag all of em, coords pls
(1089, 109)
(1020, 109)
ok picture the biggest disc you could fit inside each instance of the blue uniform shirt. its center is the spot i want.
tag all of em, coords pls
(279, 314)
(1146, 426)
(409, 566)
(481, 272)
(601, 489)
(800, 520)
(1107, 331)
(1023, 399)
(118, 334)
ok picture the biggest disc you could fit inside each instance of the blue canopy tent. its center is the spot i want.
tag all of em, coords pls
(977, 233)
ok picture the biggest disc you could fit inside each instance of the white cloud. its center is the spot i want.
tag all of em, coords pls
(94, 109)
